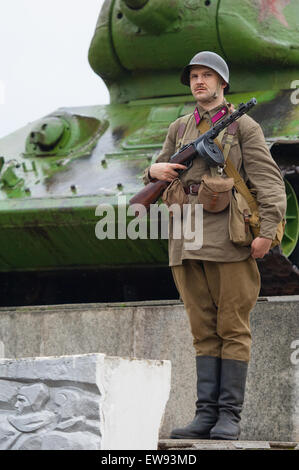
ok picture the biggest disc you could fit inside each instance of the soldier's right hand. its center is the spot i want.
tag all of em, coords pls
(166, 171)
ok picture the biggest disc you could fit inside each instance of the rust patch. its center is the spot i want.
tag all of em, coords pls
(279, 276)
(118, 133)
(272, 115)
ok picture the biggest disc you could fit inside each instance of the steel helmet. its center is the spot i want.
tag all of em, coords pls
(208, 59)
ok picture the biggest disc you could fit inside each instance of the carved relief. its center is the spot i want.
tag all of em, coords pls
(43, 416)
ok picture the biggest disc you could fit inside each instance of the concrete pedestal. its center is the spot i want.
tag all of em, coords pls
(87, 402)
(160, 330)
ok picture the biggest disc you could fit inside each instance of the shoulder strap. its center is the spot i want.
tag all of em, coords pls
(181, 132)
(232, 172)
(240, 184)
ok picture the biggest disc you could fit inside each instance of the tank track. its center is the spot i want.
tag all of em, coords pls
(278, 275)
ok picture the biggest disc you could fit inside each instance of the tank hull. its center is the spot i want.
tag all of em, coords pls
(56, 228)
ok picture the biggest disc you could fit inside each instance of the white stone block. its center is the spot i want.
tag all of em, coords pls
(89, 402)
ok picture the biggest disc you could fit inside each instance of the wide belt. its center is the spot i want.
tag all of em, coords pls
(192, 189)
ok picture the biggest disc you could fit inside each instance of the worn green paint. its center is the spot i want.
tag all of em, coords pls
(260, 33)
(47, 233)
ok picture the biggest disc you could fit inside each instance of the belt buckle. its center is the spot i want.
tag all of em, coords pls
(194, 193)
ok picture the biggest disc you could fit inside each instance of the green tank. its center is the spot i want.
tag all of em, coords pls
(56, 171)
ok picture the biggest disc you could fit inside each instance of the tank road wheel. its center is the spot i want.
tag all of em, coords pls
(290, 238)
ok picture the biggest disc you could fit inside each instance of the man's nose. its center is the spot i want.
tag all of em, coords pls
(200, 79)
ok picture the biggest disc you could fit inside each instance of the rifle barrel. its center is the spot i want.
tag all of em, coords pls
(242, 109)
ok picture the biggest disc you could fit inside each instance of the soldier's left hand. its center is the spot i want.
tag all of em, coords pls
(260, 247)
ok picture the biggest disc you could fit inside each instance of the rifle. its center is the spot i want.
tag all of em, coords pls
(204, 146)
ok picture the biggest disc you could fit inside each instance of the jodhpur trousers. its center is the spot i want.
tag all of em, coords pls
(218, 298)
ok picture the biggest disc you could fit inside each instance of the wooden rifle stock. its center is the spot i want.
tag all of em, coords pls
(150, 193)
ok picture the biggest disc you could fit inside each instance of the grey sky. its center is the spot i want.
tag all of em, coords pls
(43, 59)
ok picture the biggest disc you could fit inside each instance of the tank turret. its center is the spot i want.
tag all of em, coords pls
(139, 47)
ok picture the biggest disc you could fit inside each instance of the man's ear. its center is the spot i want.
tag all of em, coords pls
(223, 84)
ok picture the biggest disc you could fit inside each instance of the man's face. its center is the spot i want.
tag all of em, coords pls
(22, 404)
(205, 84)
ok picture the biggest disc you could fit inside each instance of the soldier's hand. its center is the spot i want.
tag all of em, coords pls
(260, 247)
(166, 171)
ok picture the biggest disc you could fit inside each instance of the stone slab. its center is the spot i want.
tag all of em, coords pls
(83, 402)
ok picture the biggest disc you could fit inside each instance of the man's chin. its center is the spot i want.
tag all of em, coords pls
(203, 98)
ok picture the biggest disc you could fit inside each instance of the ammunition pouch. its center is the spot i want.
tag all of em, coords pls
(244, 222)
(175, 194)
(215, 193)
(239, 217)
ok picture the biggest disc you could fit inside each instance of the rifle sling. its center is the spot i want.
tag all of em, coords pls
(232, 172)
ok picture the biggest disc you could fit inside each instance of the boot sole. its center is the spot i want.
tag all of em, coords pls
(223, 437)
(181, 436)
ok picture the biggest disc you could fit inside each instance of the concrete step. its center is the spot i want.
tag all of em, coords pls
(200, 444)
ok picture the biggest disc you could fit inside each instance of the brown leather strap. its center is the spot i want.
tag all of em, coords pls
(240, 184)
(232, 128)
(232, 172)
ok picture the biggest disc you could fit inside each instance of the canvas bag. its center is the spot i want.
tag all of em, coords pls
(175, 194)
(246, 198)
(244, 213)
(215, 193)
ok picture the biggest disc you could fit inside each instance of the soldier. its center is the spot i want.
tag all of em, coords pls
(220, 282)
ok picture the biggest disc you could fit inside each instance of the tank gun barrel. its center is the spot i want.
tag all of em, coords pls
(152, 16)
(135, 4)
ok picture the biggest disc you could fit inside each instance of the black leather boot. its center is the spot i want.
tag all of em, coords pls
(208, 381)
(231, 398)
